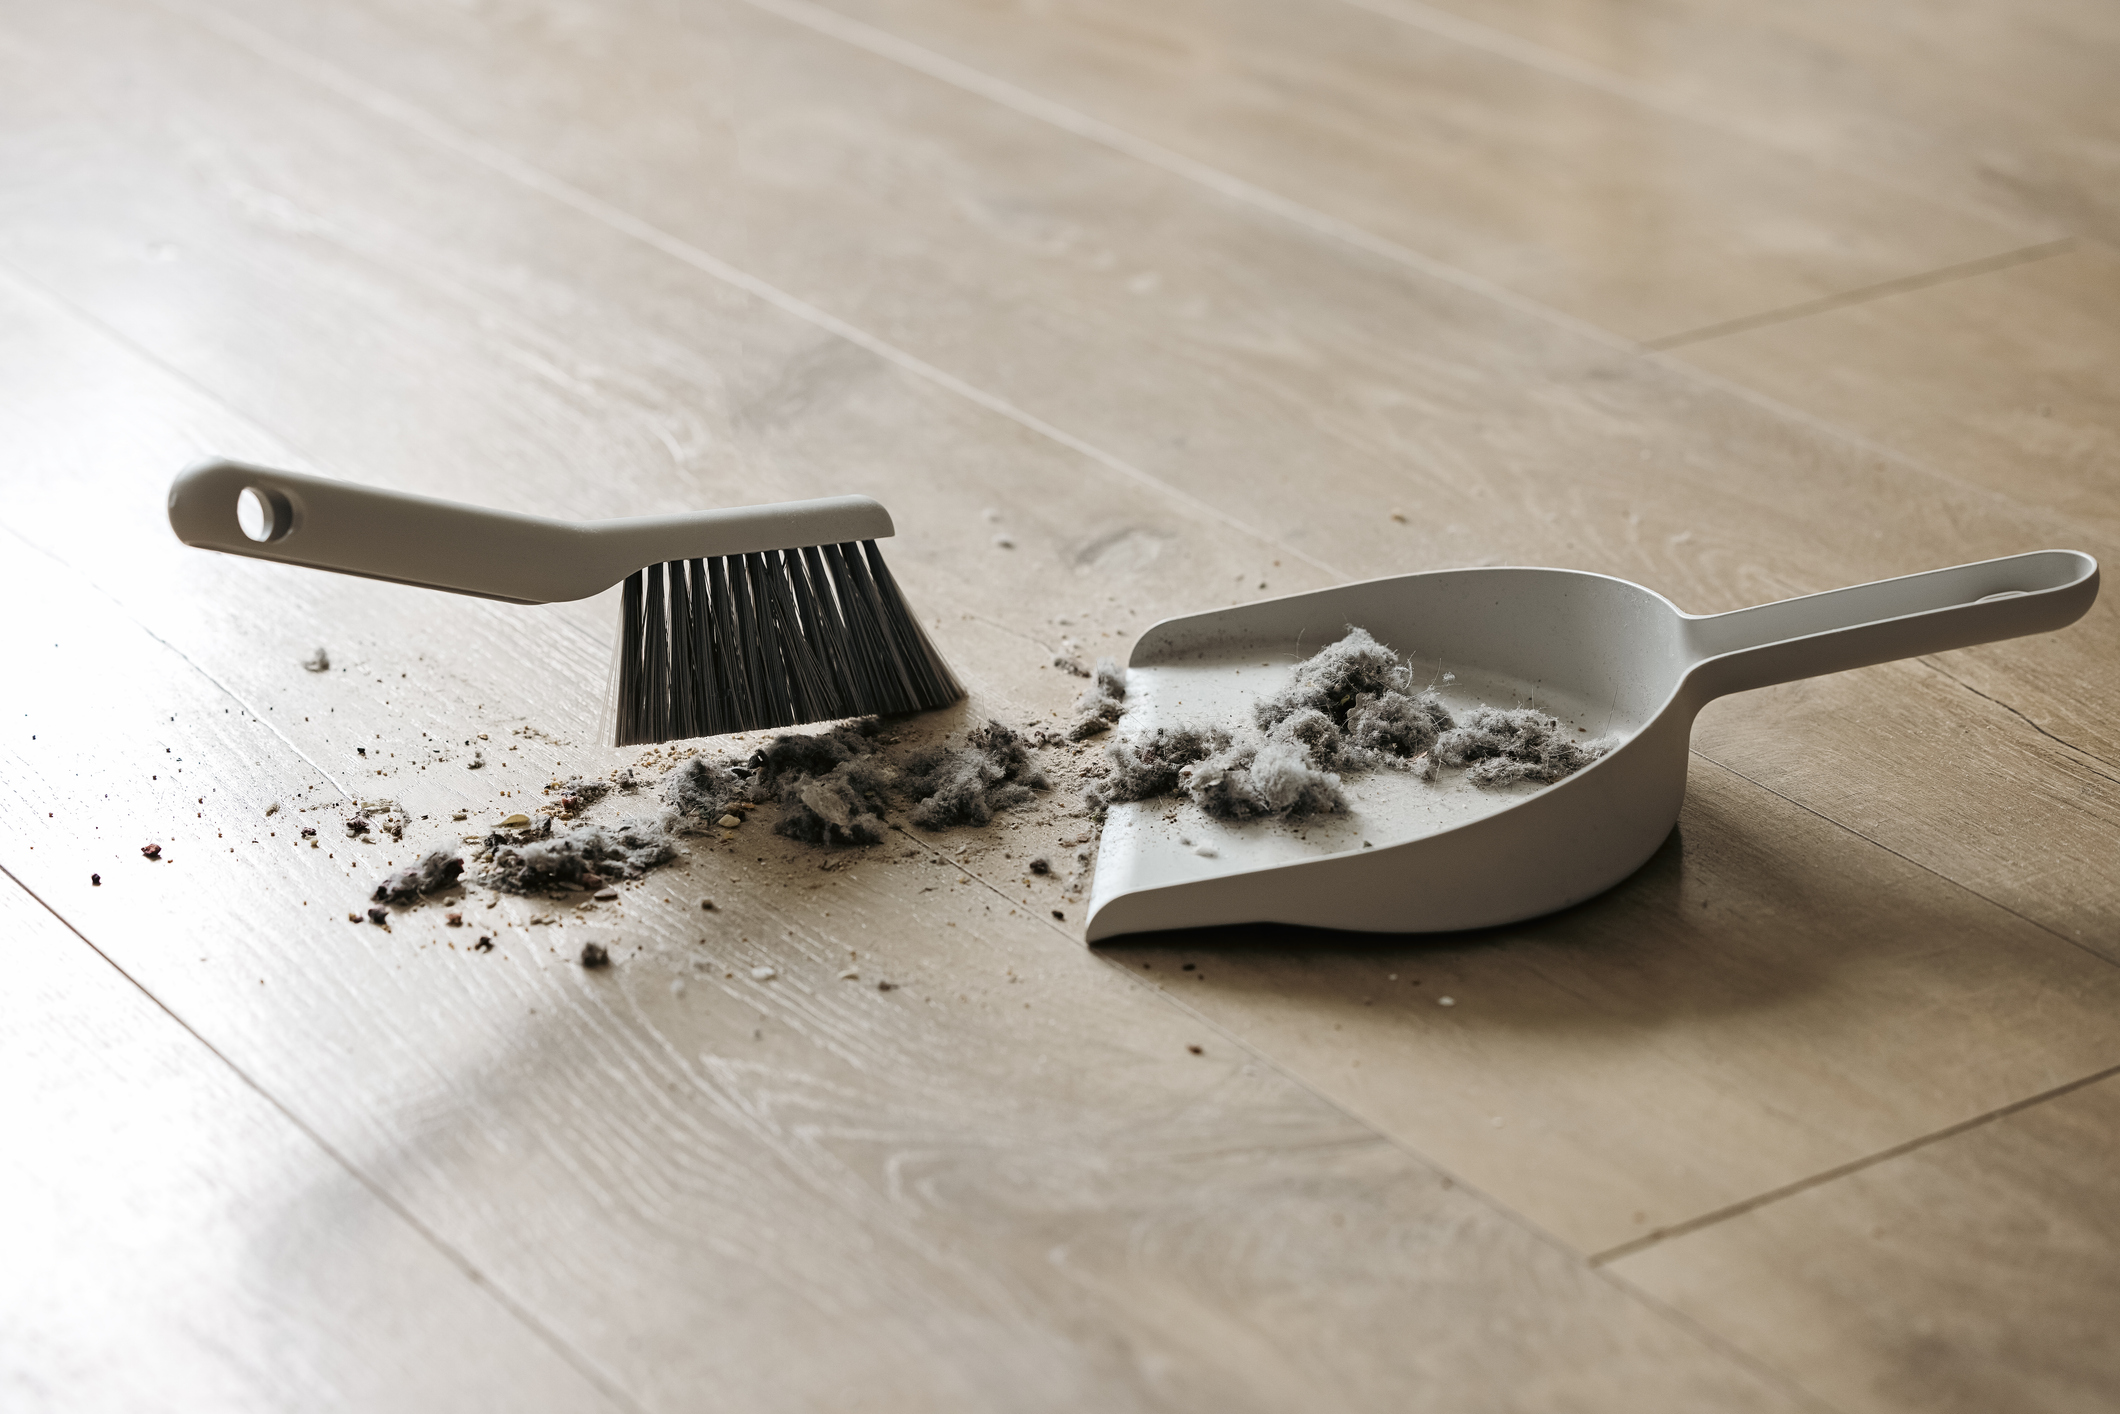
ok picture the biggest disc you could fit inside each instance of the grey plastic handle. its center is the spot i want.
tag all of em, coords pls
(360, 530)
(1889, 619)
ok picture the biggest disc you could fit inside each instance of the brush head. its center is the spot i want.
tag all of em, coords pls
(771, 639)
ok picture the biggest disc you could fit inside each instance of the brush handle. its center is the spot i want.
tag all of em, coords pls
(1889, 619)
(336, 525)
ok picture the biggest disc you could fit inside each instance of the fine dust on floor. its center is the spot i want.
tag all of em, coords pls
(842, 794)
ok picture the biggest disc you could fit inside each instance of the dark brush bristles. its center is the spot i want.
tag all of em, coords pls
(773, 639)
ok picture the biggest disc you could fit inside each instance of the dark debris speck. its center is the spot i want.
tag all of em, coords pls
(594, 955)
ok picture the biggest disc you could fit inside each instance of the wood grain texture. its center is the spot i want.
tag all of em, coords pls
(1623, 214)
(621, 259)
(1008, 1182)
(1980, 1272)
(1051, 270)
(2001, 380)
(954, 571)
(1764, 1001)
(175, 1241)
(2003, 109)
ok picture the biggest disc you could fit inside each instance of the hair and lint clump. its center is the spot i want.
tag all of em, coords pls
(1101, 702)
(1499, 746)
(587, 856)
(1349, 709)
(428, 875)
(993, 772)
(834, 787)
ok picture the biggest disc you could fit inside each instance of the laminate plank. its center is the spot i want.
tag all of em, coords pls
(2004, 109)
(2001, 380)
(1759, 1004)
(1979, 1272)
(174, 1241)
(1008, 1182)
(1626, 215)
(1499, 438)
(608, 269)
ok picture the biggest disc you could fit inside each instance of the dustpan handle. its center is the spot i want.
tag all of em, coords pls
(1890, 619)
(364, 530)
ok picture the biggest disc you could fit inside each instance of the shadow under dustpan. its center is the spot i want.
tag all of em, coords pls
(1617, 664)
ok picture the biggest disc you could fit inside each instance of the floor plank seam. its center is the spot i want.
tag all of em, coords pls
(889, 47)
(1626, 1290)
(1930, 870)
(1885, 289)
(1934, 666)
(1853, 1166)
(1012, 96)
(1445, 24)
(562, 1348)
(388, 106)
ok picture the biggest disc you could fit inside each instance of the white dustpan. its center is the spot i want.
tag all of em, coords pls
(1612, 659)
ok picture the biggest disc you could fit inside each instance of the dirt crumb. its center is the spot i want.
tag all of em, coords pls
(595, 955)
(385, 815)
(579, 792)
(318, 662)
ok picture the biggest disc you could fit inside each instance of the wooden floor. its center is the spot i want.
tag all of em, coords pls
(1816, 1112)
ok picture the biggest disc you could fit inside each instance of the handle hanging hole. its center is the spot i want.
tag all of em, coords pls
(263, 514)
(2005, 594)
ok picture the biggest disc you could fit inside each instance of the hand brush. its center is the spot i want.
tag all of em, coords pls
(732, 620)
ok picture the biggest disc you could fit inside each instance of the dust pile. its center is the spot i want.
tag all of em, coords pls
(1101, 702)
(585, 856)
(429, 874)
(993, 772)
(1350, 709)
(1499, 746)
(835, 787)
